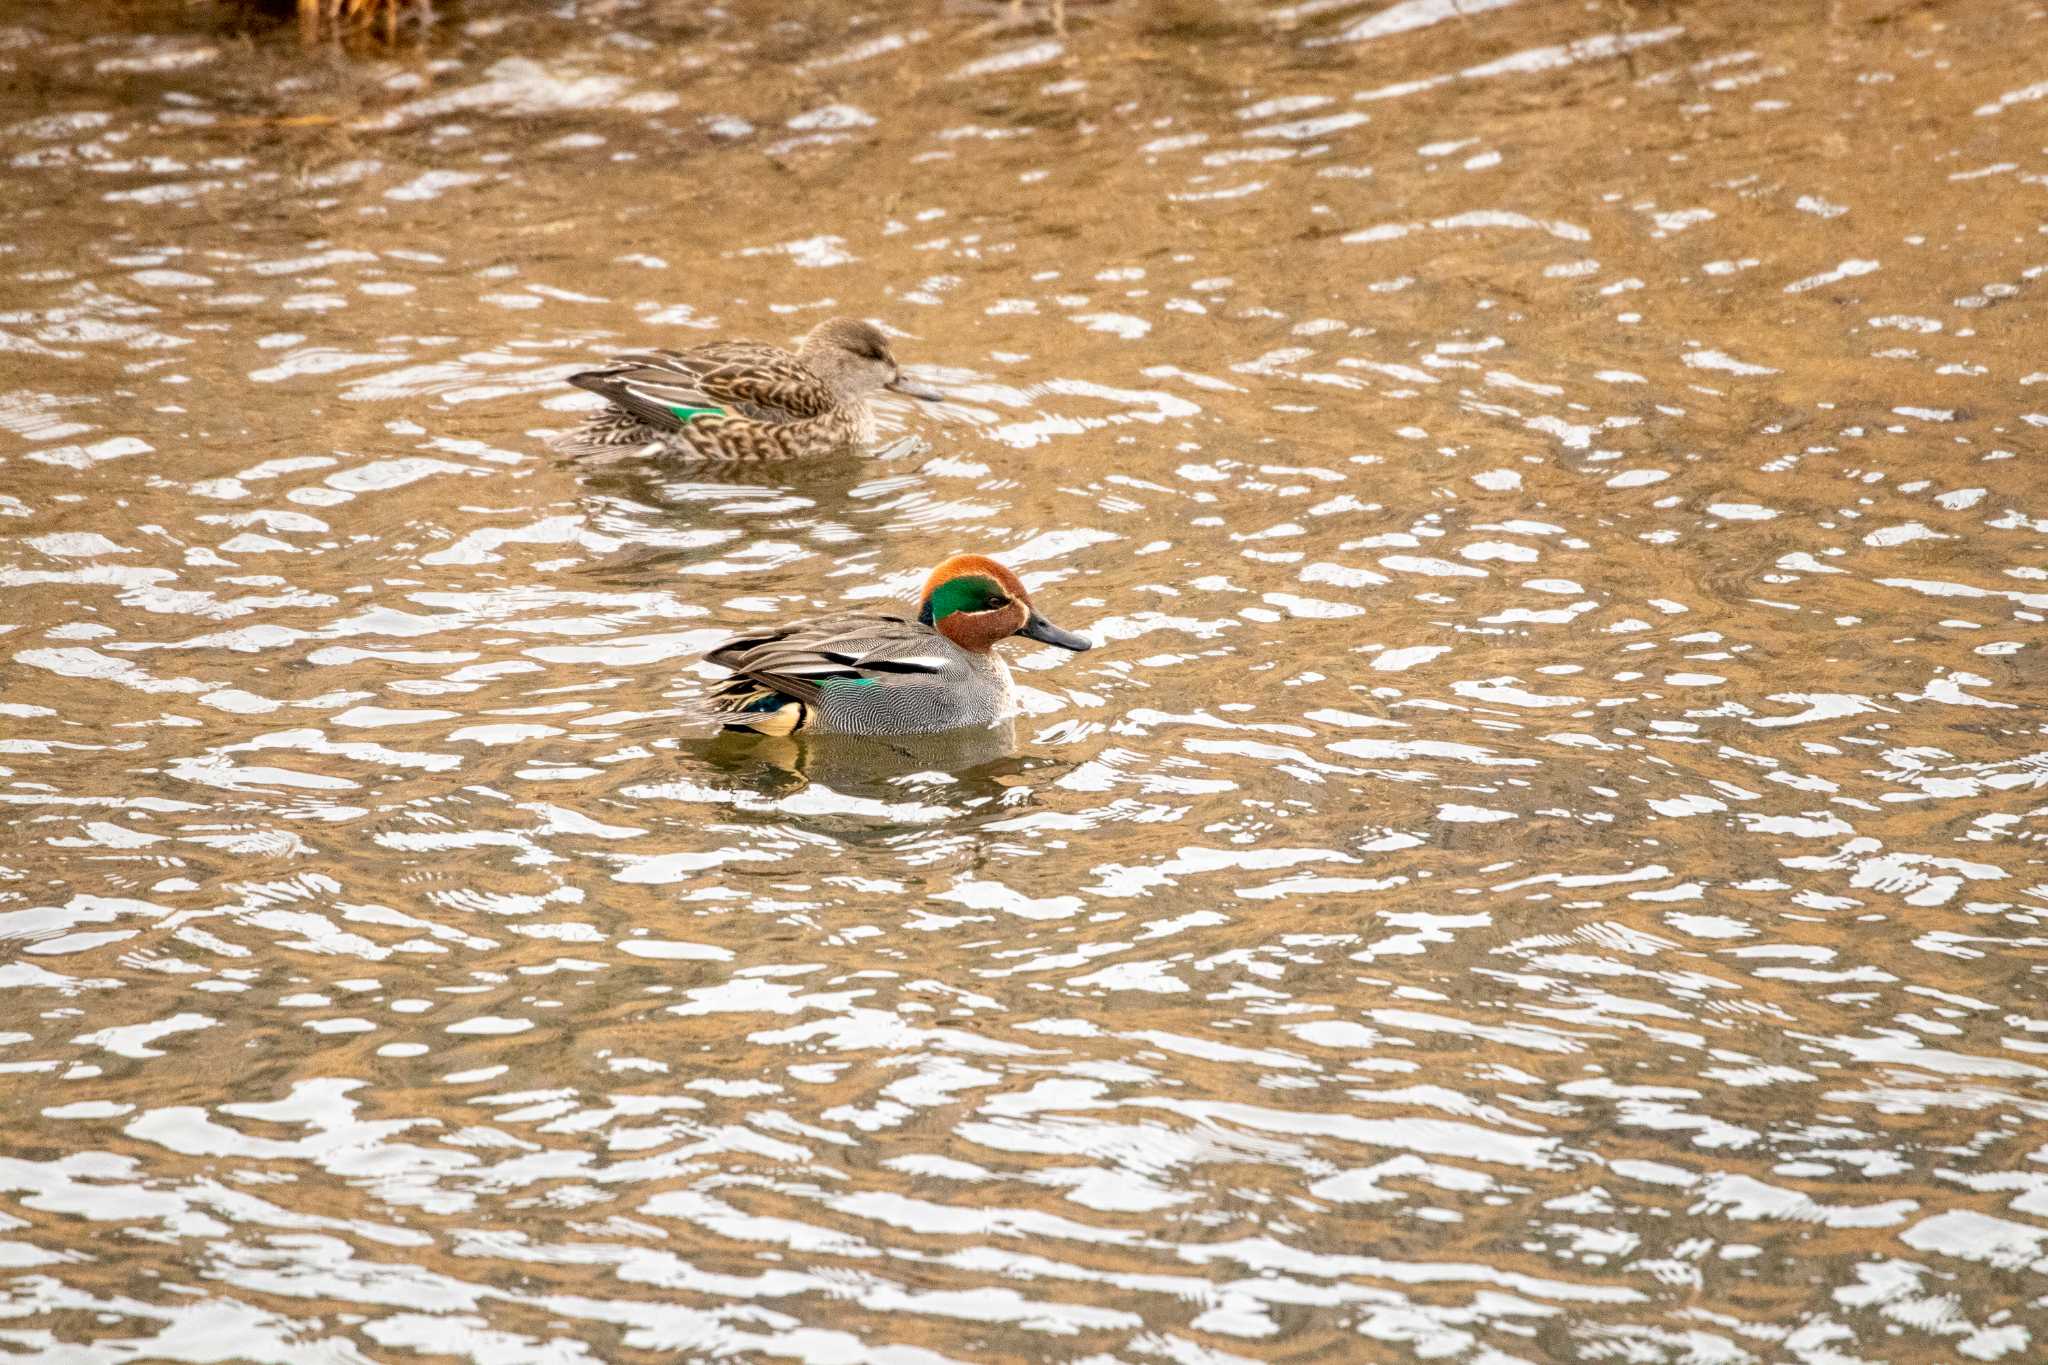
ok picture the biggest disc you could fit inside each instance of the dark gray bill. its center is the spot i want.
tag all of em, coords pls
(909, 389)
(1045, 632)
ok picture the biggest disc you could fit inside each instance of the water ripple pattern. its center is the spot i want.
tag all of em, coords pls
(1546, 864)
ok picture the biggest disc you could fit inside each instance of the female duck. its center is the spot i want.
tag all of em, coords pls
(743, 400)
(857, 673)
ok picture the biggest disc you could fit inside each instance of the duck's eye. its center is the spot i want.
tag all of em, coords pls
(996, 603)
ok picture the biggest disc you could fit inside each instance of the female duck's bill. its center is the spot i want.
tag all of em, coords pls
(910, 388)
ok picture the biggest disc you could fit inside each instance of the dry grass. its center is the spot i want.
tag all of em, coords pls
(332, 18)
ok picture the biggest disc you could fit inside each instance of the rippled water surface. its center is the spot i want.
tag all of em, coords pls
(1546, 863)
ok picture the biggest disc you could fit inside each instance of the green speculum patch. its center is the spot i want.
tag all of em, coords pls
(687, 415)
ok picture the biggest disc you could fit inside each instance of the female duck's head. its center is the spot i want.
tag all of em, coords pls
(974, 602)
(854, 360)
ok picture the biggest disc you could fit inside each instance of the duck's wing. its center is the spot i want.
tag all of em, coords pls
(803, 658)
(668, 390)
(781, 676)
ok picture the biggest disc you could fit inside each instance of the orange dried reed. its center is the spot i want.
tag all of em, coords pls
(334, 16)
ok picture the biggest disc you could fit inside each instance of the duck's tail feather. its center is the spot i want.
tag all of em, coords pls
(611, 434)
(759, 710)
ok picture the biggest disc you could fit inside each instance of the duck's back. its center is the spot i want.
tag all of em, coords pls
(672, 389)
(859, 675)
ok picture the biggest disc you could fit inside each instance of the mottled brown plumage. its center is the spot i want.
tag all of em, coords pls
(743, 400)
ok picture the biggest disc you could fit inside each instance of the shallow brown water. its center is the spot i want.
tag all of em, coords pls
(1546, 865)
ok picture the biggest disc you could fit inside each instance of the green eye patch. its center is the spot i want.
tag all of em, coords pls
(970, 593)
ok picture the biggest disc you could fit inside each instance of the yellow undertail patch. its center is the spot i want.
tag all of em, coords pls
(786, 719)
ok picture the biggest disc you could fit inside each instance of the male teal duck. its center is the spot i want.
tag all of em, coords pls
(743, 400)
(863, 673)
